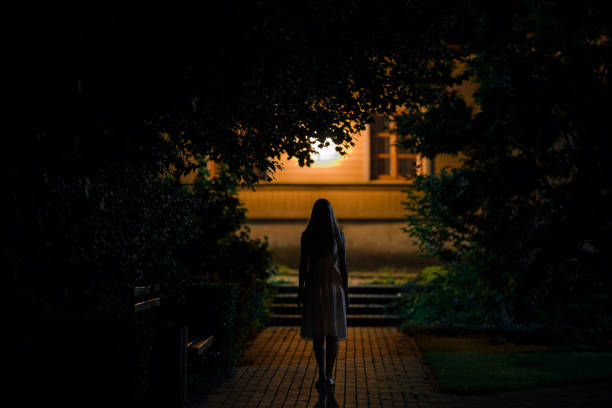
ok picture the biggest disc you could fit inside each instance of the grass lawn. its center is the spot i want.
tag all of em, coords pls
(483, 363)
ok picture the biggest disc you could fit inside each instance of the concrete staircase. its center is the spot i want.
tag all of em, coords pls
(369, 304)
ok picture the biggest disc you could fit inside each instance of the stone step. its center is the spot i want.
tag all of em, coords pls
(373, 289)
(382, 299)
(351, 320)
(370, 309)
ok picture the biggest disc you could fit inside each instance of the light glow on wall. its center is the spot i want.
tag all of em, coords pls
(325, 156)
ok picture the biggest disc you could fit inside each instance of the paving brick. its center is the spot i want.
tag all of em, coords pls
(376, 367)
(279, 370)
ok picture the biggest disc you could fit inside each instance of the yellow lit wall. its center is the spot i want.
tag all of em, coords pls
(356, 201)
(350, 168)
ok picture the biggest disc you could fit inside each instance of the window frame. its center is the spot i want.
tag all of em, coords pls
(394, 155)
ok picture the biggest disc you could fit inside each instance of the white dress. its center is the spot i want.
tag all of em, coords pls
(324, 308)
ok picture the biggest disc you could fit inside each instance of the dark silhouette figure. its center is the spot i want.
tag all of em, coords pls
(323, 289)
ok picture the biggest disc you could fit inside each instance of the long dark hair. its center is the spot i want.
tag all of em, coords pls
(323, 228)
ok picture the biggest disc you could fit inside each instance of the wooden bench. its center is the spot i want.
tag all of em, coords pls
(146, 299)
(197, 347)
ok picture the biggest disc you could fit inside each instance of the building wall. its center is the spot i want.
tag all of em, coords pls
(351, 168)
(349, 201)
(370, 212)
(370, 244)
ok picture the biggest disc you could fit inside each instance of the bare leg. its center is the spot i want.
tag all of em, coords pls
(319, 350)
(332, 352)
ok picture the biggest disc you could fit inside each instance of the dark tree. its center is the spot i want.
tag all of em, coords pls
(90, 166)
(527, 215)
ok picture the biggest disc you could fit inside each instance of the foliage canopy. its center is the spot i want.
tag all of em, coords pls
(91, 167)
(529, 208)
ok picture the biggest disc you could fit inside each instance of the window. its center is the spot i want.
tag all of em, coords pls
(388, 161)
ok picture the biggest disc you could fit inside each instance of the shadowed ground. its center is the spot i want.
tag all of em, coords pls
(377, 367)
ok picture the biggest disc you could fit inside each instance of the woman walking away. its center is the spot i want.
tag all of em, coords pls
(323, 291)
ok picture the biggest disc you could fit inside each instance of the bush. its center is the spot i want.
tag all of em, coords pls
(443, 296)
(225, 291)
(430, 273)
(233, 315)
(78, 247)
(225, 253)
(211, 308)
(92, 239)
(526, 210)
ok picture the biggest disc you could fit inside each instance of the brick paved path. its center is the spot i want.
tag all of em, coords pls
(376, 367)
